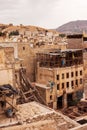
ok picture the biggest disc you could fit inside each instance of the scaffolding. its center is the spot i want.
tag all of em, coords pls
(60, 58)
(28, 92)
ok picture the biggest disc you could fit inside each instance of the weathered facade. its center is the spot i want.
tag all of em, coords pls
(6, 65)
(61, 73)
(75, 41)
(27, 53)
(8, 68)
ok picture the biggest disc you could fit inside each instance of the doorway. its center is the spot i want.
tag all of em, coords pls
(69, 100)
(59, 102)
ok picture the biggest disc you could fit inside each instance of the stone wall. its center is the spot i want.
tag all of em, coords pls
(6, 67)
(42, 92)
(75, 43)
(48, 94)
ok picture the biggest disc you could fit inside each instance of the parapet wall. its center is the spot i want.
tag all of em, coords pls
(81, 127)
(41, 125)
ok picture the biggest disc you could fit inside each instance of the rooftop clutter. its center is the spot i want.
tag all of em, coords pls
(59, 58)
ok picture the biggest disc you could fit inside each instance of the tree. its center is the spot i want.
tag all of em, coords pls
(62, 35)
(2, 34)
(14, 33)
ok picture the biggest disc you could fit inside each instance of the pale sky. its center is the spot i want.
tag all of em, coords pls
(43, 13)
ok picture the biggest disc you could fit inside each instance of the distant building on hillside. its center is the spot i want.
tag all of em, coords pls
(75, 41)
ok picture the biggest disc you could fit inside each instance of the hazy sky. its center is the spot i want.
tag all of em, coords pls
(44, 13)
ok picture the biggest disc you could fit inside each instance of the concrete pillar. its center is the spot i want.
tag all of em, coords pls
(64, 101)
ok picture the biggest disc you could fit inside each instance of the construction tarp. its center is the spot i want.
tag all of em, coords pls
(8, 90)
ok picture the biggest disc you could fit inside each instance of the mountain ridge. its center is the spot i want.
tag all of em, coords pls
(77, 26)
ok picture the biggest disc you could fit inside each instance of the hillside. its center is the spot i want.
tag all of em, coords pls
(73, 27)
(9, 28)
(32, 34)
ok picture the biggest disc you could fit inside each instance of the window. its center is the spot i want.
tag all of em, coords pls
(67, 75)
(72, 83)
(80, 72)
(72, 74)
(58, 87)
(62, 76)
(80, 81)
(23, 48)
(62, 85)
(76, 73)
(57, 77)
(50, 97)
(76, 82)
(67, 84)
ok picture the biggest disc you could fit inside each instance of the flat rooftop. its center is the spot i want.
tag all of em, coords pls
(58, 52)
(33, 112)
(42, 86)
